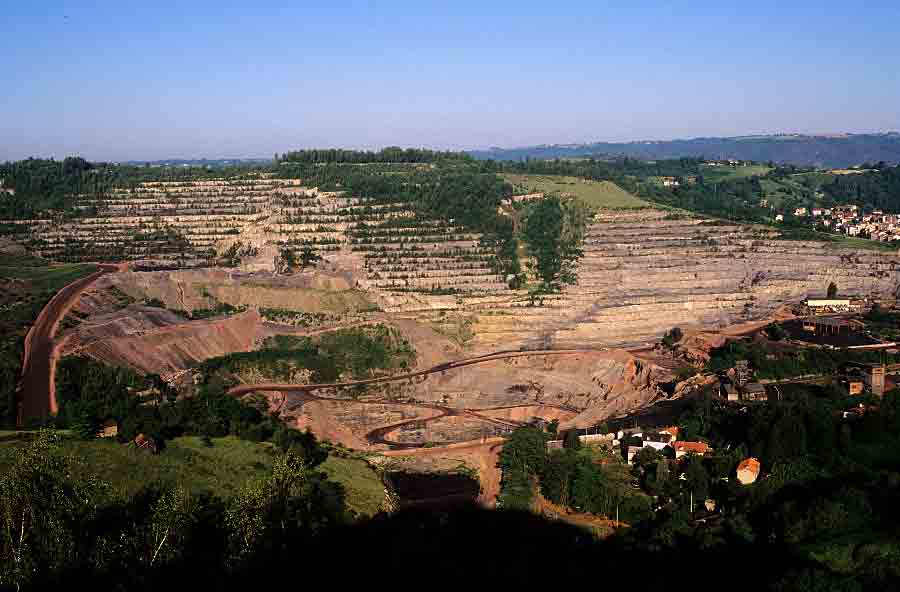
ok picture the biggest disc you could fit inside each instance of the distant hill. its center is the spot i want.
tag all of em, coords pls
(214, 163)
(831, 151)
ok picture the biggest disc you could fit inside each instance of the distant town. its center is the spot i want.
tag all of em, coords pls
(850, 220)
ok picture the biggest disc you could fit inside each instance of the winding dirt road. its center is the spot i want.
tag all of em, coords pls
(37, 390)
(482, 359)
(379, 435)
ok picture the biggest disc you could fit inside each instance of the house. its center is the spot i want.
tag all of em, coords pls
(671, 431)
(742, 372)
(873, 377)
(729, 391)
(816, 212)
(779, 218)
(109, 429)
(799, 212)
(683, 448)
(748, 471)
(670, 182)
(146, 443)
(656, 441)
(754, 391)
(854, 385)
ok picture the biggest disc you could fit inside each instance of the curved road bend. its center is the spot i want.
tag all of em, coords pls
(37, 398)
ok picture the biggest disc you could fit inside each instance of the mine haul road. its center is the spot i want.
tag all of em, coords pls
(379, 435)
(37, 390)
(482, 359)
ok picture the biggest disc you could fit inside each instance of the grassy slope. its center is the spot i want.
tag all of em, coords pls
(600, 194)
(26, 284)
(714, 174)
(221, 469)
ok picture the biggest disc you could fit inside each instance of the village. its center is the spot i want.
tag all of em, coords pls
(850, 220)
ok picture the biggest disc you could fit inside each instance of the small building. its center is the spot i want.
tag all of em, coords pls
(832, 326)
(748, 471)
(855, 386)
(671, 431)
(146, 443)
(819, 305)
(729, 392)
(109, 429)
(754, 391)
(656, 440)
(742, 372)
(683, 448)
(779, 217)
(873, 376)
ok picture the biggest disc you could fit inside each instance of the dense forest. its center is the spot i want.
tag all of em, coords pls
(877, 189)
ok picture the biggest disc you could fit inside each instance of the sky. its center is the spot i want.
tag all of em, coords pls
(152, 80)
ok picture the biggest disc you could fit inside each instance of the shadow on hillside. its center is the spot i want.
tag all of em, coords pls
(470, 546)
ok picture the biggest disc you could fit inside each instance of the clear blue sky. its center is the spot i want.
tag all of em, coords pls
(146, 80)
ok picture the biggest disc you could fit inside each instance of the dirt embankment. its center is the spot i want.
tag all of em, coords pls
(169, 349)
(192, 289)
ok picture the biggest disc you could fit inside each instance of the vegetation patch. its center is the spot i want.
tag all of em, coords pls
(26, 284)
(593, 194)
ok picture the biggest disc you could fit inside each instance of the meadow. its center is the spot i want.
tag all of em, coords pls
(221, 469)
(594, 194)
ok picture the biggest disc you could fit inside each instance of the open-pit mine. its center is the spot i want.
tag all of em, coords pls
(487, 357)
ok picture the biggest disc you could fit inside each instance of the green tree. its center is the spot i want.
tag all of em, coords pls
(696, 477)
(554, 236)
(524, 456)
(308, 257)
(45, 501)
(571, 440)
(557, 477)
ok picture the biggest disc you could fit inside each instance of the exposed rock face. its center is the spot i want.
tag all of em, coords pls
(644, 273)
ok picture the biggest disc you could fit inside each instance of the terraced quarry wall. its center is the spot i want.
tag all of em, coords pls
(643, 272)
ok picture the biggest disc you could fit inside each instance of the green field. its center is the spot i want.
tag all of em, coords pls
(715, 174)
(594, 194)
(221, 469)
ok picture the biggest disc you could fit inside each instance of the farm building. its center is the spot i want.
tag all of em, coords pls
(683, 448)
(748, 471)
